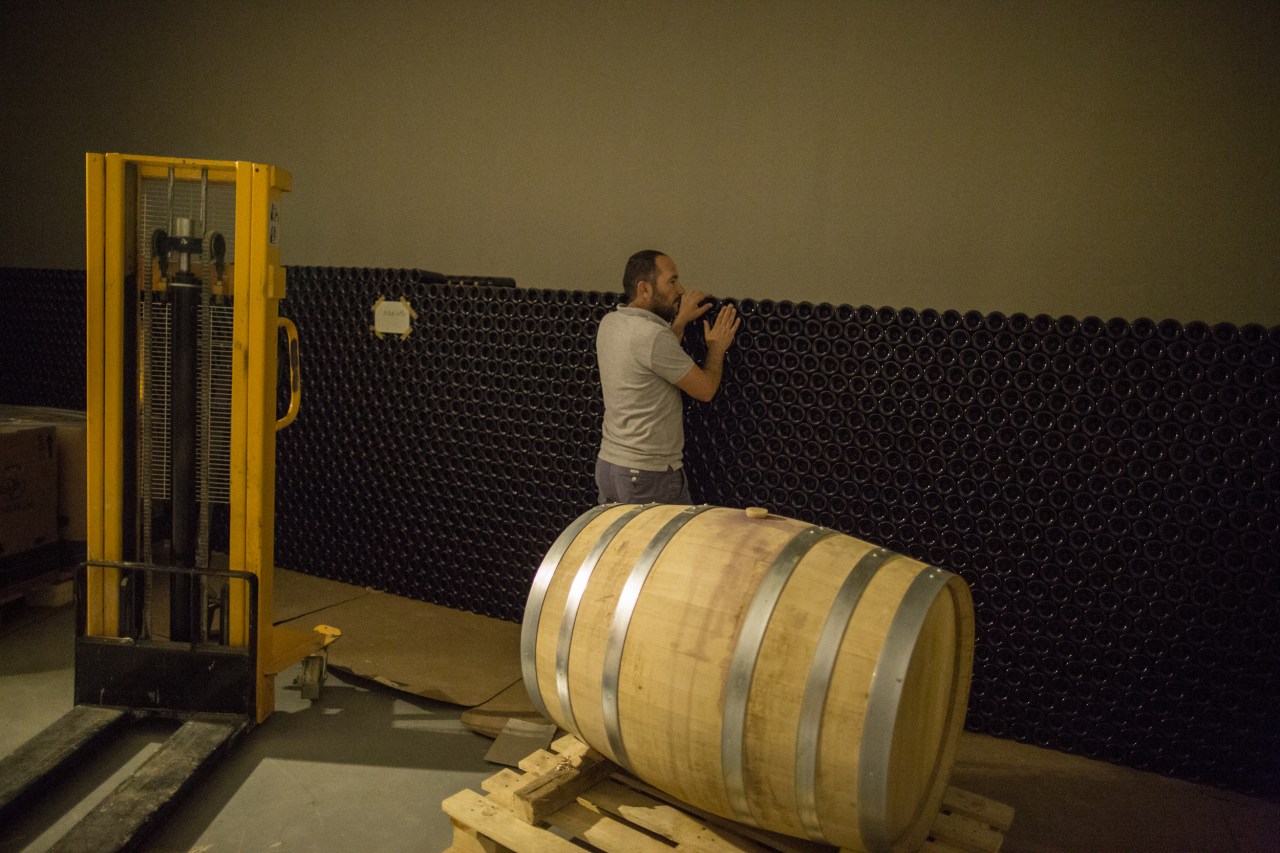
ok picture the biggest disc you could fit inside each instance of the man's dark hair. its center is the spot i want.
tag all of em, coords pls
(642, 266)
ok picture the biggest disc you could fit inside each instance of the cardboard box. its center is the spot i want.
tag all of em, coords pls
(28, 487)
(73, 490)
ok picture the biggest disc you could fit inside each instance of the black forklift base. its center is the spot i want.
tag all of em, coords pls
(38, 761)
(129, 811)
(210, 687)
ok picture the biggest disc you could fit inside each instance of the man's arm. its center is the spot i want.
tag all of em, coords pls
(701, 383)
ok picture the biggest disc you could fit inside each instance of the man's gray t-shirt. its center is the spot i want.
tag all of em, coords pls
(640, 361)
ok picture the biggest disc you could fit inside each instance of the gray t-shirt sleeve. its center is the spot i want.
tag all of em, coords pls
(667, 359)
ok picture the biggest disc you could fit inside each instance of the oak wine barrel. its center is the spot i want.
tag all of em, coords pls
(767, 670)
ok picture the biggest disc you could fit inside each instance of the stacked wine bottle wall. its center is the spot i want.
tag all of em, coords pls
(42, 338)
(1109, 489)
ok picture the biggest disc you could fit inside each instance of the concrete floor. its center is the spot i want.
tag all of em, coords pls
(366, 767)
(363, 768)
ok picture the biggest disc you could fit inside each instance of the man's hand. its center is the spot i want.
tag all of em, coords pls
(701, 383)
(720, 336)
(691, 308)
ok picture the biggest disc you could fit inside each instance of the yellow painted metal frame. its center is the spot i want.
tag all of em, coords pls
(99, 621)
(258, 286)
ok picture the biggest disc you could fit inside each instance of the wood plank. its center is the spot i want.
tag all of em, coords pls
(539, 761)
(128, 811)
(500, 785)
(996, 815)
(566, 748)
(602, 831)
(27, 768)
(467, 840)
(771, 840)
(666, 820)
(474, 811)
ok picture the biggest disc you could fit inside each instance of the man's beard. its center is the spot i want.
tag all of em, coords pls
(668, 311)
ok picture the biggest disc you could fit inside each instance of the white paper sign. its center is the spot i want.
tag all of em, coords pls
(391, 317)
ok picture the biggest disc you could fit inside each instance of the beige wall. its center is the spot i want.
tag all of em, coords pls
(1111, 158)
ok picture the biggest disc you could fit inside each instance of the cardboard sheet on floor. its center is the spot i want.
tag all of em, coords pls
(511, 704)
(421, 648)
(297, 595)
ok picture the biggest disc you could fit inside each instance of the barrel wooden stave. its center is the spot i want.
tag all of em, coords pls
(691, 616)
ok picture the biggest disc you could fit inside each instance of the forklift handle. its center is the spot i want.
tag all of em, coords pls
(295, 373)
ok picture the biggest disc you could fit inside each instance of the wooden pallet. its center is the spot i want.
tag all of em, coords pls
(573, 797)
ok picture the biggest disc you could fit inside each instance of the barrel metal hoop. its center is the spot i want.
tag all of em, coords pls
(809, 733)
(743, 665)
(570, 616)
(883, 701)
(538, 594)
(621, 623)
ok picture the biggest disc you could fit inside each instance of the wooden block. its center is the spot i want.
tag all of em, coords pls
(546, 792)
(539, 762)
(499, 825)
(570, 745)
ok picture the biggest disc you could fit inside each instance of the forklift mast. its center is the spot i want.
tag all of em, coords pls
(174, 601)
(183, 287)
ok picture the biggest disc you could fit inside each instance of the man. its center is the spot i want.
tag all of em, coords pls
(642, 372)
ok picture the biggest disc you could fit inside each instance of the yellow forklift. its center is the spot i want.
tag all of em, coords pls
(174, 602)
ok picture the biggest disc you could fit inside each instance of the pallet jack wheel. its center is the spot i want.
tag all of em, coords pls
(314, 669)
